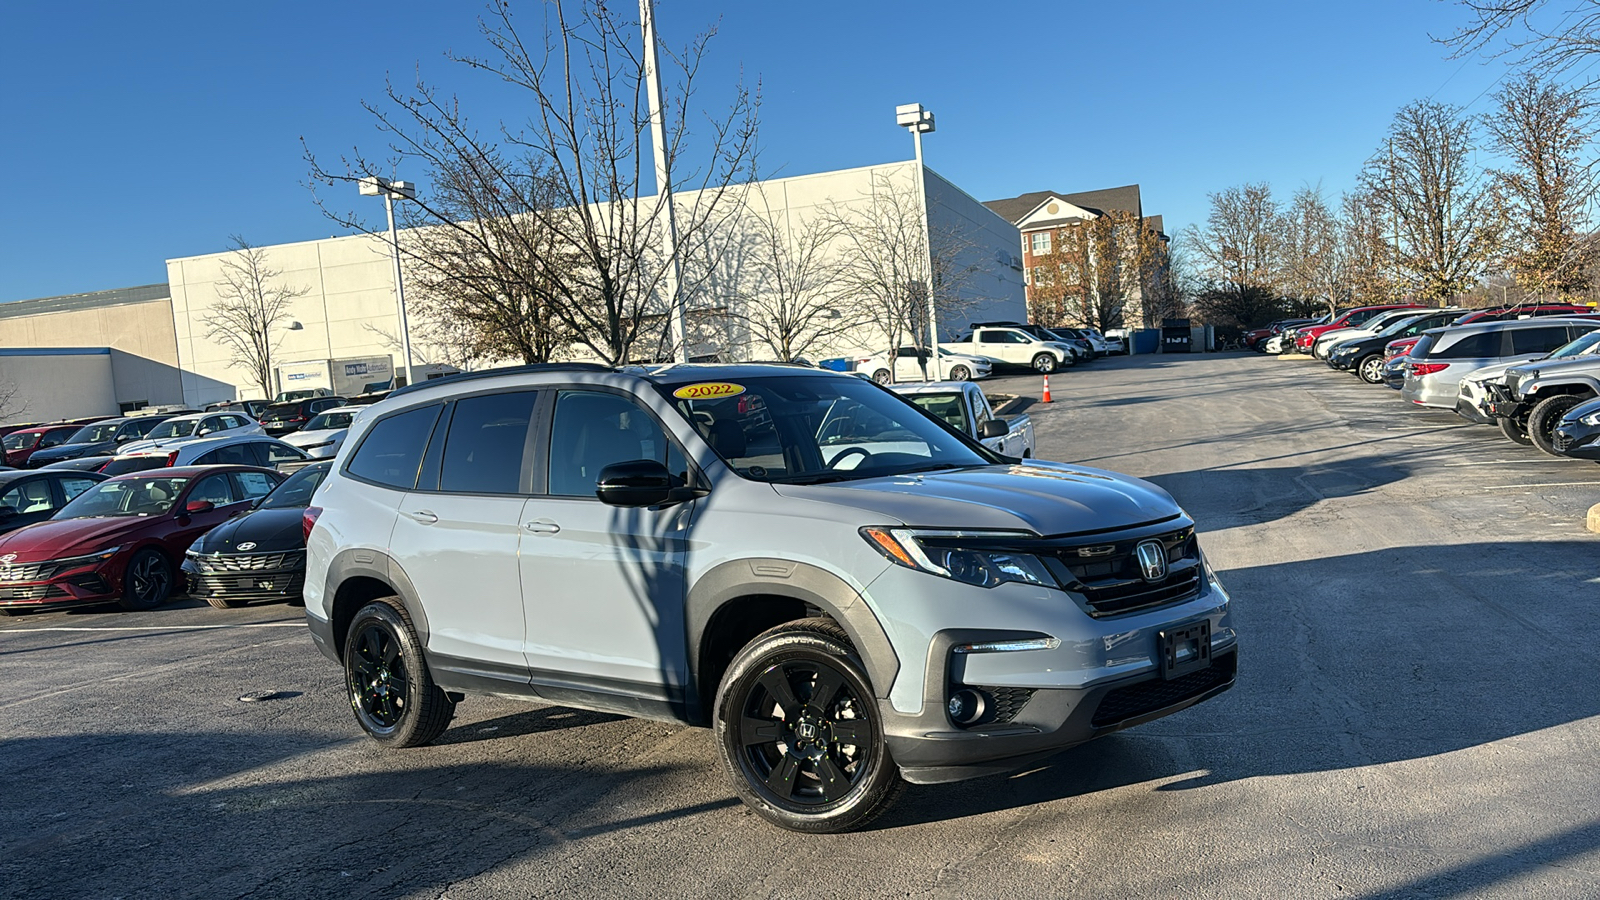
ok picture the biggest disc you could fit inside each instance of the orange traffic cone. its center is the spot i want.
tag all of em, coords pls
(1046, 389)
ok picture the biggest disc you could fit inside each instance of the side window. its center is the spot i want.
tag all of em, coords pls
(271, 454)
(592, 430)
(980, 415)
(29, 497)
(391, 452)
(1473, 346)
(208, 425)
(1538, 340)
(72, 487)
(483, 450)
(143, 427)
(53, 438)
(231, 455)
(251, 485)
(214, 488)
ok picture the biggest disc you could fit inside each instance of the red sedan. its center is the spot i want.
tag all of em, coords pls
(20, 444)
(122, 540)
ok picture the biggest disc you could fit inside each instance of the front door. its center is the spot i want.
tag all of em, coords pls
(604, 585)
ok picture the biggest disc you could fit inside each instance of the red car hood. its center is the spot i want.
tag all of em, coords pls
(59, 538)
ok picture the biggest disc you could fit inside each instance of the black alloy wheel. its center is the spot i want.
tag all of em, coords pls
(391, 691)
(960, 373)
(800, 733)
(147, 581)
(1044, 363)
(1371, 368)
(1545, 416)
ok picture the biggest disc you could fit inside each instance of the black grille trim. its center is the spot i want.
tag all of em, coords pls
(1106, 573)
(1005, 703)
(1135, 700)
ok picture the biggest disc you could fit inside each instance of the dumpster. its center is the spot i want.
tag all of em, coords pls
(1175, 336)
(1145, 340)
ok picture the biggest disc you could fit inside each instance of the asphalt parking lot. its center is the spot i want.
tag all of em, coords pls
(1417, 601)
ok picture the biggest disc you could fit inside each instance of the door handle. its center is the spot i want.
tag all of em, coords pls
(542, 526)
(424, 516)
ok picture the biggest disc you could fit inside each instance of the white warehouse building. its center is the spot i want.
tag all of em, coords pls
(134, 347)
(348, 308)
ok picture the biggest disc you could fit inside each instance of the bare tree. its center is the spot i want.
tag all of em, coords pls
(790, 295)
(1544, 198)
(1311, 253)
(1424, 177)
(1567, 34)
(1367, 250)
(251, 309)
(884, 261)
(1238, 247)
(1096, 269)
(568, 187)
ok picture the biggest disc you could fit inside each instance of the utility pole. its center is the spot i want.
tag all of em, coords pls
(658, 138)
(917, 120)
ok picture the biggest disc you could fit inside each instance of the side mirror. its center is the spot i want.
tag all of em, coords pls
(199, 506)
(994, 428)
(637, 482)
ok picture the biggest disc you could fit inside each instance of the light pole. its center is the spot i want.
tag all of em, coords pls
(919, 121)
(658, 138)
(390, 191)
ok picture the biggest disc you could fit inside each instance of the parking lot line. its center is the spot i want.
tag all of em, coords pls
(1497, 487)
(155, 627)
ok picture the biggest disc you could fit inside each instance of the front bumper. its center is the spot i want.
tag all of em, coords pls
(1105, 674)
(87, 585)
(246, 585)
(1577, 440)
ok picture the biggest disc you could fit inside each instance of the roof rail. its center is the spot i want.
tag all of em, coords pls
(531, 369)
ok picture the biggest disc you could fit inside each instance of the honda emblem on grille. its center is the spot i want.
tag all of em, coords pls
(1152, 560)
(247, 545)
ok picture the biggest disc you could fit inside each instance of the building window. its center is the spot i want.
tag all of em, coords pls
(1041, 242)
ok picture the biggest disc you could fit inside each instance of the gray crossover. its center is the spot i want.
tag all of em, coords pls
(848, 590)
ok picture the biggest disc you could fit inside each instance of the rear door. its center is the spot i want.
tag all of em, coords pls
(458, 533)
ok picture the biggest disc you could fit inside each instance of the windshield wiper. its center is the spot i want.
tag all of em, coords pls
(935, 467)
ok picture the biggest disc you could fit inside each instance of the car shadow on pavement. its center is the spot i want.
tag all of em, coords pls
(1229, 497)
(1390, 656)
(549, 718)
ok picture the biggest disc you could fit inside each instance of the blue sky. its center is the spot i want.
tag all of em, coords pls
(139, 132)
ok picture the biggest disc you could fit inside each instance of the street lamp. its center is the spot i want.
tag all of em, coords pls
(390, 191)
(919, 121)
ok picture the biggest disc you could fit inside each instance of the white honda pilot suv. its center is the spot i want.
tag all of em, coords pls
(847, 590)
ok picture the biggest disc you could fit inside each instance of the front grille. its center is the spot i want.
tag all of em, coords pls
(1135, 700)
(30, 592)
(1561, 442)
(38, 571)
(1108, 575)
(249, 587)
(242, 562)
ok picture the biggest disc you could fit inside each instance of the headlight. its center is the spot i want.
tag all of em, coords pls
(315, 446)
(89, 559)
(1591, 419)
(939, 553)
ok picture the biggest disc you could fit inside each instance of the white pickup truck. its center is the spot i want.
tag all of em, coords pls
(1013, 346)
(964, 406)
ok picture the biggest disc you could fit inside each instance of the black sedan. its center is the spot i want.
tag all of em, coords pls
(260, 555)
(1578, 433)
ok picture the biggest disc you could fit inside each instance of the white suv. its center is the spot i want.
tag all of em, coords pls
(849, 591)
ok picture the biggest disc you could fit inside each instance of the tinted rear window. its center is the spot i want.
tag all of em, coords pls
(484, 450)
(1538, 340)
(391, 452)
(133, 464)
(1471, 346)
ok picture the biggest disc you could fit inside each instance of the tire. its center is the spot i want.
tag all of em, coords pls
(881, 376)
(960, 373)
(391, 691)
(820, 788)
(1544, 418)
(1370, 368)
(1515, 429)
(1044, 364)
(147, 582)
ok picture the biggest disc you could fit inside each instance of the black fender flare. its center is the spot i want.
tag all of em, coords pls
(729, 581)
(362, 562)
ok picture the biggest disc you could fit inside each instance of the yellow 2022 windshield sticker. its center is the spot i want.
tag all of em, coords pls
(708, 390)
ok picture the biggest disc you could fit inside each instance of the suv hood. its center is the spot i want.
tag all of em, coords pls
(271, 530)
(1049, 499)
(72, 451)
(1588, 362)
(1494, 372)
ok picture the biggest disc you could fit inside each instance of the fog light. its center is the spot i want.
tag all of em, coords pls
(966, 706)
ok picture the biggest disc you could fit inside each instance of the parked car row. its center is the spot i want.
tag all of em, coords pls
(1533, 372)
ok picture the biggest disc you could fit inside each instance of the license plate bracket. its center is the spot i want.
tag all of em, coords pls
(1185, 650)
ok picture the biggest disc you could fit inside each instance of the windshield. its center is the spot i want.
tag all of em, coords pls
(1580, 347)
(125, 497)
(96, 433)
(811, 430)
(943, 406)
(330, 420)
(173, 428)
(281, 410)
(21, 441)
(296, 492)
(124, 465)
